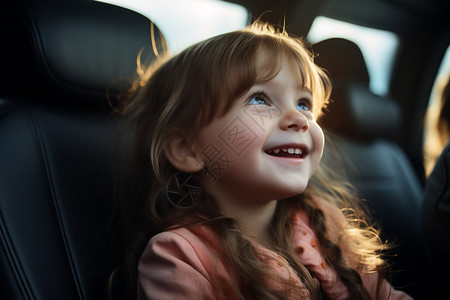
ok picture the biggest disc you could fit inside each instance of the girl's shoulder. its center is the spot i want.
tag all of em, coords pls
(180, 235)
(174, 255)
(196, 242)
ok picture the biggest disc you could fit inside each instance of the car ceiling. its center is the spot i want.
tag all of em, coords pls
(400, 16)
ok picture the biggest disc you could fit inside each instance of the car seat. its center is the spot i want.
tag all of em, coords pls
(61, 63)
(364, 124)
(436, 216)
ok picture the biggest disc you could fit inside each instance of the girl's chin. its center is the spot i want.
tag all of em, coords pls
(288, 192)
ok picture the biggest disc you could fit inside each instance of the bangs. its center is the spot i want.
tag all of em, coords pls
(270, 50)
(310, 76)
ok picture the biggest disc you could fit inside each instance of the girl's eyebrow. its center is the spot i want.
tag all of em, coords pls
(306, 89)
(263, 87)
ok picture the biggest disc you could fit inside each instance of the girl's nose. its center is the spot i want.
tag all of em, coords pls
(294, 120)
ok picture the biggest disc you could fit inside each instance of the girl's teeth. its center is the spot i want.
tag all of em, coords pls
(296, 151)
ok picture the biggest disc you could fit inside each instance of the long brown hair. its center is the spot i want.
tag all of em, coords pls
(189, 90)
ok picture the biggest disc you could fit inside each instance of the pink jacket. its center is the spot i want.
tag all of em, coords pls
(179, 264)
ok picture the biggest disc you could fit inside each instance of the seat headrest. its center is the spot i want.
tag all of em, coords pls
(355, 111)
(76, 49)
(343, 59)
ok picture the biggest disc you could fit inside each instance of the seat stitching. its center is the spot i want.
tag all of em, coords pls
(48, 169)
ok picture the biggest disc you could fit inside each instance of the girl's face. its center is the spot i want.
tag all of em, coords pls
(267, 146)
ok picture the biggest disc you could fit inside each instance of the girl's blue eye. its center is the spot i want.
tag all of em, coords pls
(258, 99)
(304, 104)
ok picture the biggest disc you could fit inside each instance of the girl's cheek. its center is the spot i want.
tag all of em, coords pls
(318, 144)
(228, 145)
(321, 137)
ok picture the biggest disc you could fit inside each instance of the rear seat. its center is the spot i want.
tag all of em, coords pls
(364, 125)
(436, 218)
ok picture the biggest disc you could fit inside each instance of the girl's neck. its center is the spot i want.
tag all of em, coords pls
(254, 222)
(253, 216)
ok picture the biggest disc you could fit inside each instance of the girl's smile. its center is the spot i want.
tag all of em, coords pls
(291, 154)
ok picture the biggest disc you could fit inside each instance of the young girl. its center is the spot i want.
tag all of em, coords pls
(232, 197)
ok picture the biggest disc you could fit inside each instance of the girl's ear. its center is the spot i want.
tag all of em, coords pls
(180, 154)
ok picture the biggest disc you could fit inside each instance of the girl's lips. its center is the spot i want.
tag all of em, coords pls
(288, 161)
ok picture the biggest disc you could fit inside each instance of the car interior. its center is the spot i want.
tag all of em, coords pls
(63, 63)
(377, 167)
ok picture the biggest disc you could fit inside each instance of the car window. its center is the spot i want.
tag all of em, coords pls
(378, 47)
(184, 22)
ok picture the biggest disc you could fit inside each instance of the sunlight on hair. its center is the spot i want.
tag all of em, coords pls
(185, 22)
(435, 136)
(367, 251)
(443, 73)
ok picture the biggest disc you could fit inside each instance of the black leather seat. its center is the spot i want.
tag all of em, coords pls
(61, 61)
(364, 125)
(436, 217)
